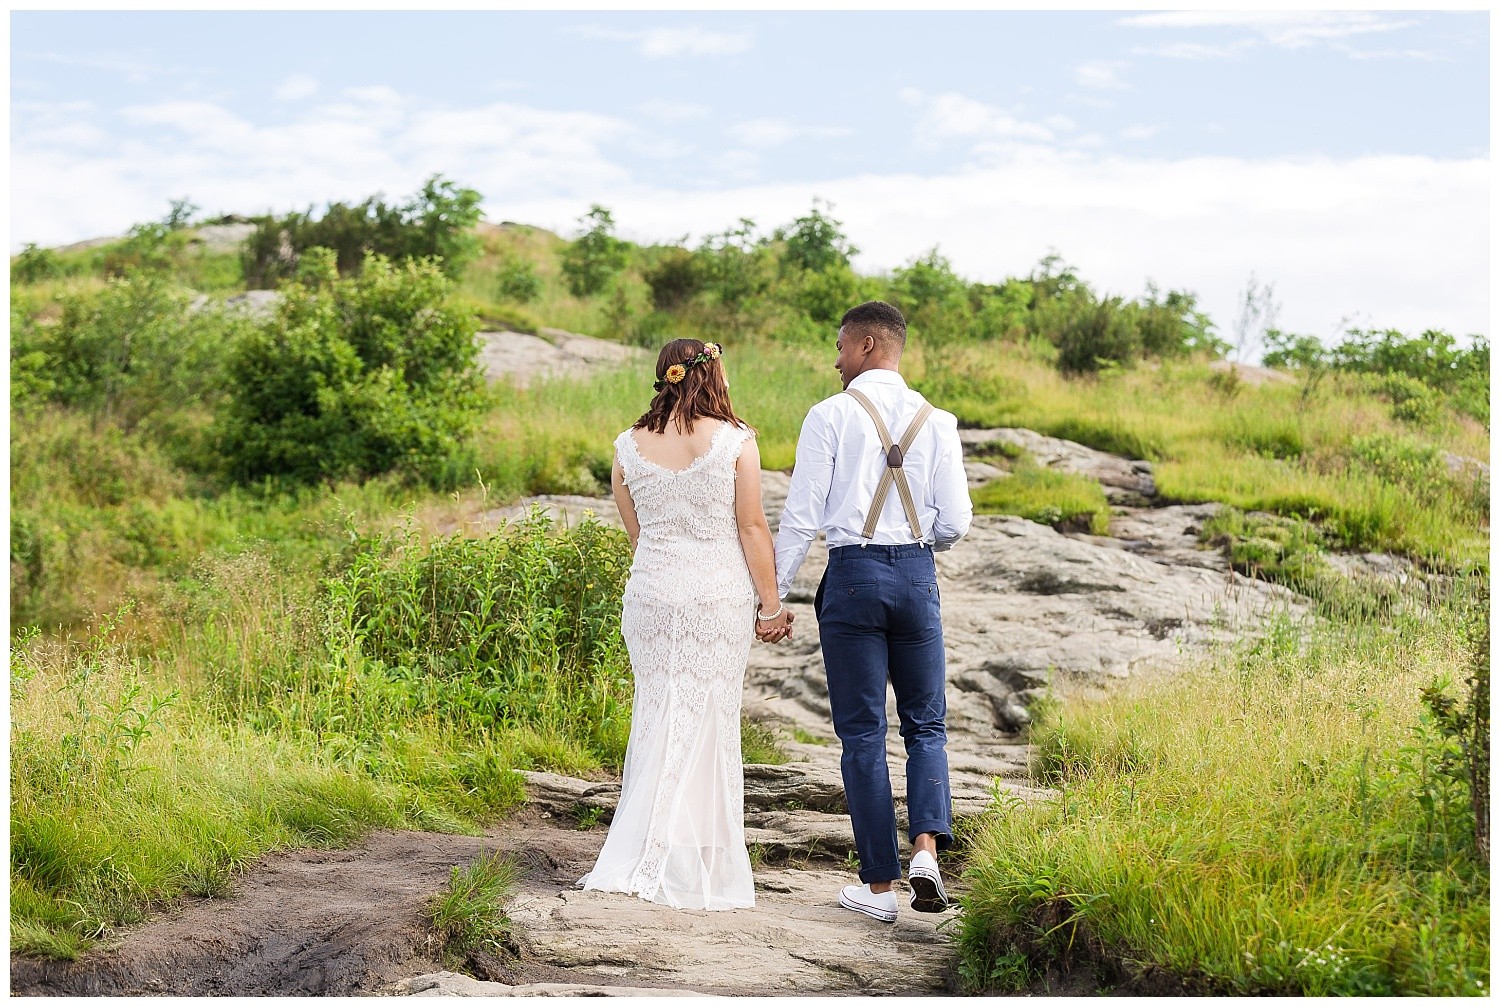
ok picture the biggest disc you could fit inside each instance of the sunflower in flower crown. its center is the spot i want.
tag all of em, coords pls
(676, 373)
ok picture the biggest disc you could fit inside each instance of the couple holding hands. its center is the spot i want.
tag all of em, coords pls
(880, 472)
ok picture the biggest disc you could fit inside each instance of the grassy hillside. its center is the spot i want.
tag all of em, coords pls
(219, 665)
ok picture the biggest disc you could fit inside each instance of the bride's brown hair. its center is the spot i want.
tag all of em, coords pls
(701, 392)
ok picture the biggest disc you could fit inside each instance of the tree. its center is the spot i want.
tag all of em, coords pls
(815, 242)
(596, 257)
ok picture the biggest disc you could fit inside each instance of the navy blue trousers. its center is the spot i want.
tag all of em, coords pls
(879, 618)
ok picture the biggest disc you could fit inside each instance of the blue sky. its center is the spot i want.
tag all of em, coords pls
(1342, 156)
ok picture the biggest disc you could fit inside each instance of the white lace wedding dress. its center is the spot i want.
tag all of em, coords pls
(678, 835)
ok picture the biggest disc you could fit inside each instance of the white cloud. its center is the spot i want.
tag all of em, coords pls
(296, 87)
(1101, 73)
(664, 43)
(955, 116)
(1285, 29)
(370, 140)
(1141, 132)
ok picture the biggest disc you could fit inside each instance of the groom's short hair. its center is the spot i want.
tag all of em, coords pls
(878, 319)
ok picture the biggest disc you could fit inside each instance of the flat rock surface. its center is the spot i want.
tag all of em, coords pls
(524, 358)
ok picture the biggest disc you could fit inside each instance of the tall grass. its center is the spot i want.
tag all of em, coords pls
(401, 691)
(1319, 452)
(1275, 820)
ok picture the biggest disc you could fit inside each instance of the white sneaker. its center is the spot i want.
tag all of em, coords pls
(927, 894)
(862, 900)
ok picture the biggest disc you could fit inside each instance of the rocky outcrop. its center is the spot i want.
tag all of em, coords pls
(523, 358)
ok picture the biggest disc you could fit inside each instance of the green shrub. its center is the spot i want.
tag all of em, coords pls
(673, 278)
(35, 264)
(824, 296)
(1173, 326)
(1096, 335)
(438, 222)
(1001, 312)
(126, 351)
(596, 257)
(737, 267)
(517, 280)
(354, 377)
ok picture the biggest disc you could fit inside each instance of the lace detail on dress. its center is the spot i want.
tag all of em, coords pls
(689, 611)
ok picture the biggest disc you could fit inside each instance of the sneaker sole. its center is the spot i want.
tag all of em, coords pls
(873, 913)
(927, 895)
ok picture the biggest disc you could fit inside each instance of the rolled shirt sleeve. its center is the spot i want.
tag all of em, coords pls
(806, 498)
(955, 511)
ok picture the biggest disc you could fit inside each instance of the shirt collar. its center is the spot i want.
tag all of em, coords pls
(879, 376)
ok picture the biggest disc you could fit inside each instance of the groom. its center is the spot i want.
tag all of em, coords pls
(877, 606)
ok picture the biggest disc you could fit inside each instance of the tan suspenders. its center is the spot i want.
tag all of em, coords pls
(895, 456)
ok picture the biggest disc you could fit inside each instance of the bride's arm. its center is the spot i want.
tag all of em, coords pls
(624, 503)
(755, 539)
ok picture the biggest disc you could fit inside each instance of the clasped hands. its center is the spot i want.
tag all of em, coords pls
(777, 629)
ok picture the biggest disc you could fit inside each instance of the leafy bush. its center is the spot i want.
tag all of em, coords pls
(124, 351)
(1463, 725)
(517, 280)
(35, 264)
(1001, 312)
(736, 265)
(673, 278)
(354, 377)
(438, 222)
(1096, 335)
(1173, 326)
(596, 257)
(1414, 367)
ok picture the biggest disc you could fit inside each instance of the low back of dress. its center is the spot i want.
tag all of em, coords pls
(688, 620)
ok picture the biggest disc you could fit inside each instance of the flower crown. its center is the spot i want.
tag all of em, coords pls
(675, 373)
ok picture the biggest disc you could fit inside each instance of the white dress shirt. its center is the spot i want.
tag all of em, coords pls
(839, 464)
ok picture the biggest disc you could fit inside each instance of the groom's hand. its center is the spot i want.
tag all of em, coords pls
(777, 629)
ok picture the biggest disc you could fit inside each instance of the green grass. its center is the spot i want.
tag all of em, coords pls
(1274, 820)
(1061, 499)
(471, 914)
(760, 744)
(1336, 454)
(159, 756)
(806, 737)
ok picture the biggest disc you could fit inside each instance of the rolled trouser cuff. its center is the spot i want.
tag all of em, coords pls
(875, 875)
(944, 834)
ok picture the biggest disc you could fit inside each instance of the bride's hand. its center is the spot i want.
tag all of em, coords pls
(777, 629)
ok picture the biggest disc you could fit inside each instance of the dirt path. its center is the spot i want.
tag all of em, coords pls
(1026, 609)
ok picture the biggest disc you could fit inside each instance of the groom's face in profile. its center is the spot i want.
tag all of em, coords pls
(853, 349)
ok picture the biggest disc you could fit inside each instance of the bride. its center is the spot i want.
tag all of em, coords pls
(687, 481)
